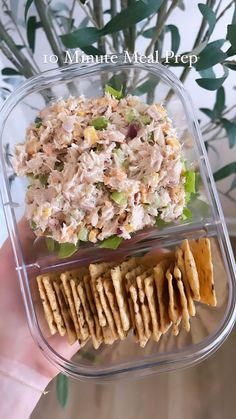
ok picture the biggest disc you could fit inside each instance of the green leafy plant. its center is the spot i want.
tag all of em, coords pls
(62, 389)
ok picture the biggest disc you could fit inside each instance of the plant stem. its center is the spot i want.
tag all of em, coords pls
(115, 38)
(11, 58)
(132, 31)
(124, 4)
(71, 14)
(28, 70)
(98, 14)
(160, 25)
(48, 28)
(225, 10)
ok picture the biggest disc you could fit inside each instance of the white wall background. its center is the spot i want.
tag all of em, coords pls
(188, 23)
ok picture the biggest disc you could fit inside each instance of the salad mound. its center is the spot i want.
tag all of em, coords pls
(101, 168)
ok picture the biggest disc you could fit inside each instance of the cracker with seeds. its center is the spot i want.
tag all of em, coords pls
(46, 306)
(89, 294)
(183, 299)
(121, 296)
(159, 272)
(96, 270)
(181, 265)
(52, 298)
(84, 330)
(144, 303)
(174, 303)
(191, 270)
(153, 307)
(105, 306)
(110, 294)
(201, 250)
(71, 334)
(65, 279)
(88, 313)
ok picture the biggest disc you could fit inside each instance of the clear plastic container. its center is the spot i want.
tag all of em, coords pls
(211, 325)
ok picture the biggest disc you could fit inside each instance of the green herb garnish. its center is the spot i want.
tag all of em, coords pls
(189, 181)
(67, 249)
(112, 242)
(38, 122)
(187, 214)
(33, 225)
(99, 123)
(161, 223)
(118, 94)
(59, 165)
(119, 197)
(43, 180)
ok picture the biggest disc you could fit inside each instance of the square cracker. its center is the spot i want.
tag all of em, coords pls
(129, 279)
(88, 314)
(96, 270)
(89, 294)
(153, 307)
(137, 316)
(52, 298)
(174, 301)
(144, 303)
(159, 272)
(191, 270)
(179, 255)
(110, 294)
(201, 250)
(105, 306)
(71, 335)
(84, 330)
(183, 298)
(46, 306)
(65, 279)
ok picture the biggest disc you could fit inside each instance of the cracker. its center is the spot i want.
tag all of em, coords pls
(105, 306)
(191, 270)
(153, 307)
(144, 303)
(181, 265)
(96, 270)
(201, 250)
(88, 290)
(137, 315)
(121, 297)
(52, 298)
(88, 313)
(174, 304)
(183, 299)
(110, 293)
(84, 330)
(130, 277)
(159, 272)
(65, 279)
(48, 313)
(71, 335)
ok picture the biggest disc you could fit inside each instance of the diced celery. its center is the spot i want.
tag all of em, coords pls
(130, 116)
(67, 249)
(38, 122)
(116, 93)
(99, 123)
(33, 225)
(145, 119)
(112, 242)
(43, 180)
(189, 181)
(120, 154)
(83, 234)
(119, 197)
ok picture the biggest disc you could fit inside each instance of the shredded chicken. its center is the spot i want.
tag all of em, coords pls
(102, 166)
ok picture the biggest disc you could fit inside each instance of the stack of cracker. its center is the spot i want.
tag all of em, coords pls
(147, 295)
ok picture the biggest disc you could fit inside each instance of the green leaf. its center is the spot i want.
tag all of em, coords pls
(220, 102)
(211, 56)
(83, 37)
(189, 181)
(91, 50)
(33, 225)
(227, 170)
(67, 249)
(146, 87)
(231, 66)
(230, 128)
(208, 112)
(50, 243)
(207, 73)
(161, 223)
(187, 214)
(116, 93)
(231, 35)
(209, 16)
(112, 242)
(131, 15)
(8, 71)
(27, 6)
(212, 83)
(233, 185)
(32, 25)
(149, 33)
(62, 389)
(175, 37)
